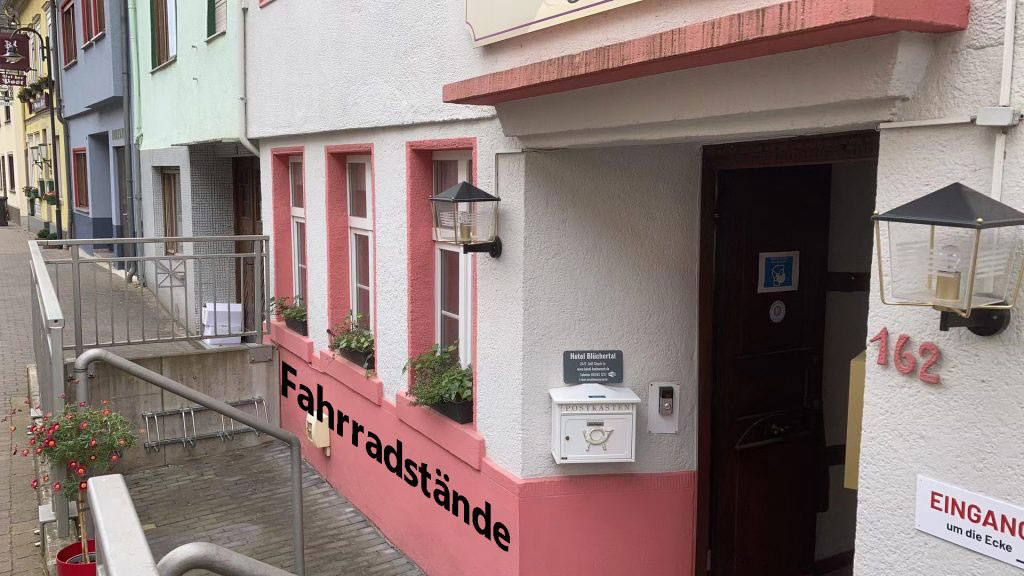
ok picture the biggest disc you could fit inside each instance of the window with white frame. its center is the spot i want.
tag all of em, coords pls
(298, 213)
(360, 239)
(453, 272)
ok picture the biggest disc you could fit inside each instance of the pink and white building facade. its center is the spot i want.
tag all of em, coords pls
(623, 140)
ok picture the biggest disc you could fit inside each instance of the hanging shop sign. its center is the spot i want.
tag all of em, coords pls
(20, 43)
(979, 523)
(592, 366)
(493, 20)
(12, 78)
(778, 272)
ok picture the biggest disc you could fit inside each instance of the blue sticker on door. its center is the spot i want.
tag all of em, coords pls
(778, 272)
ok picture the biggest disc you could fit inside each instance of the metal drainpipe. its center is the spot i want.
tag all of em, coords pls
(129, 132)
(81, 381)
(136, 112)
(1005, 96)
(243, 99)
(58, 105)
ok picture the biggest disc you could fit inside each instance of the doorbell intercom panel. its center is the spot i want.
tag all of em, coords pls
(663, 408)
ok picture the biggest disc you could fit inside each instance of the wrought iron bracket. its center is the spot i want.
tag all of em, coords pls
(493, 249)
(982, 321)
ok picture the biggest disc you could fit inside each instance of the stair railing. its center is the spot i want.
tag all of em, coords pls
(81, 379)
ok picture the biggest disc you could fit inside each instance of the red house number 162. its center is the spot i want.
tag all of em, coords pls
(905, 361)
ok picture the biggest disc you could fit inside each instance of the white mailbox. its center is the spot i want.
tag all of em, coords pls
(593, 423)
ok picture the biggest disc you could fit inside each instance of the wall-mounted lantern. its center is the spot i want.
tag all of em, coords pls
(467, 216)
(40, 155)
(958, 251)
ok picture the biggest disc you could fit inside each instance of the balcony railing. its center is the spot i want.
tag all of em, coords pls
(128, 291)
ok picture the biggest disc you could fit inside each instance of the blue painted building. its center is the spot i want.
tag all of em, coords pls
(93, 55)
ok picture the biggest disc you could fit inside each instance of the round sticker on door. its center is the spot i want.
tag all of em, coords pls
(777, 311)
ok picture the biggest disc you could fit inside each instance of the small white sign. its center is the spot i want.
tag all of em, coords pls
(777, 311)
(982, 524)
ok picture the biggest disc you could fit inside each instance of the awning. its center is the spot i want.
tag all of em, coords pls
(782, 27)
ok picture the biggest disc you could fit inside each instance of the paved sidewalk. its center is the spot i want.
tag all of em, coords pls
(18, 507)
(242, 500)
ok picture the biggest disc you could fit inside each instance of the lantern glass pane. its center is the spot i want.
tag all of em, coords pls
(935, 264)
(444, 221)
(465, 222)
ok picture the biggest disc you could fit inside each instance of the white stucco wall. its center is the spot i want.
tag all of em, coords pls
(611, 264)
(966, 431)
(318, 67)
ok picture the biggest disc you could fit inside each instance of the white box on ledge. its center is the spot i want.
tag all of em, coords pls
(593, 423)
(222, 318)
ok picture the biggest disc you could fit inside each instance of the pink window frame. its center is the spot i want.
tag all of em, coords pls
(281, 202)
(420, 247)
(338, 254)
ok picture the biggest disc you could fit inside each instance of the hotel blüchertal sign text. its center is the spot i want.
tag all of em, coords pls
(493, 20)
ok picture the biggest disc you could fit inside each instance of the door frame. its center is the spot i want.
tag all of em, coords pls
(803, 150)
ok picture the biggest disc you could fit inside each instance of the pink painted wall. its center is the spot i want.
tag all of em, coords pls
(640, 524)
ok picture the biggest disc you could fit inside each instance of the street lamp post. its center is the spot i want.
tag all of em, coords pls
(12, 56)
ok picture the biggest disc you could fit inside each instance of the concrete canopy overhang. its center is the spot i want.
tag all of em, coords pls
(849, 86)
(777, 28)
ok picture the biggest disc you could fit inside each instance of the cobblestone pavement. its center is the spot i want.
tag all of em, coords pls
(18, 507)
(241, 500)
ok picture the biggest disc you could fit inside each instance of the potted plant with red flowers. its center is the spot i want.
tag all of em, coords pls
(353, 340)
(86, 442)
(440, 382)
(293, 311)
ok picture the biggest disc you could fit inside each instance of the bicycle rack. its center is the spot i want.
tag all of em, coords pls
(188, 414)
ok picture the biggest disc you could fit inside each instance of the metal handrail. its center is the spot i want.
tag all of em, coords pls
(81, 378)
(48, 352)
(49, 303)
(216, 559)
(149, 240)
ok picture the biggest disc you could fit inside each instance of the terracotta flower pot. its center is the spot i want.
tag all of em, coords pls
(69, 560)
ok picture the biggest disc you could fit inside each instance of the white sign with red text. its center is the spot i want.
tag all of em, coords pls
(979, 523)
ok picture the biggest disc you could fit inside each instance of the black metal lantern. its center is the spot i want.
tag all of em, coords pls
(958, 251)
(467, 216)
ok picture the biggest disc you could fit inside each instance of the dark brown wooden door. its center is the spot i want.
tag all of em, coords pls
(246, 179)
(766, 411)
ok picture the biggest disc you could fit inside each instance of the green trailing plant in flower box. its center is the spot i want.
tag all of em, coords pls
(291, 309)
(354, 341)
(440, 382)
(84, 441)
